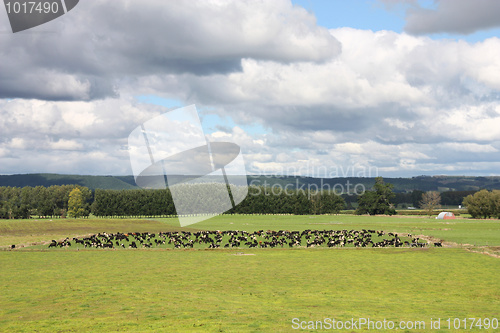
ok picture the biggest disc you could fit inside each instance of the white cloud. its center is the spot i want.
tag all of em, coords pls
(470, 147)
(448, 16)
(349, 148)
(454, 16)
(102, 43)
(63, 144)
(345, 99)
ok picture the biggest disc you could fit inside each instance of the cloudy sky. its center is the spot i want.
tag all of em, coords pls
(321, 88)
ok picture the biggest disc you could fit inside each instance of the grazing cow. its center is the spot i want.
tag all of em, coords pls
(438, 244)
(235, 238)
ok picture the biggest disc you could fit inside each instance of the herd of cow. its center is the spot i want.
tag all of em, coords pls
(244, 239)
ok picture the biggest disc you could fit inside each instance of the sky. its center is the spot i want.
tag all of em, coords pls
(392, 88)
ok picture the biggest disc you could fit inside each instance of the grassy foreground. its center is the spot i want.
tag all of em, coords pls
(259, 290)
(222, 290)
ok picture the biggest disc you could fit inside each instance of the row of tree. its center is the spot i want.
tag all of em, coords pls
(482, 204)
(110, 203)
(51, 201)
(414, 198)
(260, 200)
(380, 200)
(77, 201)
(268, 200)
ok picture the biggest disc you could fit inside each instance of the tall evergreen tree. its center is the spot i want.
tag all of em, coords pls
(378, 201)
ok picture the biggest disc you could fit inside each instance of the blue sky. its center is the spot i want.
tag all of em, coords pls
(360, 14)
(373, 15)
(404, 87)
(211, 122)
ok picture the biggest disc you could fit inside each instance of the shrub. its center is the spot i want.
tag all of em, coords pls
(483, 204)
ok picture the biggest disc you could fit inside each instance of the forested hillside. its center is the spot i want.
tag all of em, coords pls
(48, 179)
(422, 183)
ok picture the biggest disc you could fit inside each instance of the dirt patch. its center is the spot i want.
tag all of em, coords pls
(492, 251)
(24, 245)
(484, 250)
(431, 240)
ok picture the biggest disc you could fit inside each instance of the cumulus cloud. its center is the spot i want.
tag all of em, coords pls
(356, 102)
(88, 53)
(381, 80)
(75, 137)
(388, 99)
(450, 16)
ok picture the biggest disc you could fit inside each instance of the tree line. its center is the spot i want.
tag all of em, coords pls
(18, 203)
(78, 201)
(481, 204)
(448, 198)
(414, 198)
(260, 200)
(109, 203)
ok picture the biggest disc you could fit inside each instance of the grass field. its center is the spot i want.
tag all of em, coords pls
(245, 290)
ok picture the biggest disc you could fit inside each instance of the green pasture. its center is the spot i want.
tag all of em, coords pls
(460, 230)
(244, 290)
(222, 290)
(35, 231)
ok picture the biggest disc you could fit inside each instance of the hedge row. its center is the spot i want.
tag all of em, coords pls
(203, 197)
(457, 212)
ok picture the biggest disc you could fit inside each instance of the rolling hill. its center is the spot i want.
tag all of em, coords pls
(423, 183)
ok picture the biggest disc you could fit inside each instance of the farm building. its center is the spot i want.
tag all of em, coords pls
(445, 216)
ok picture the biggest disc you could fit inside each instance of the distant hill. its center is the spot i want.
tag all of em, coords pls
(423, 183)
(48, 179)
